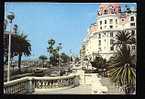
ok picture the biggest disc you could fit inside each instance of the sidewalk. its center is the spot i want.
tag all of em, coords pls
(82, 89)
(112, 89)
(95, 84)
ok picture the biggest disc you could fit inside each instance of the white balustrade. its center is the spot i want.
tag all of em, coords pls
(27, 85)
(16, 86)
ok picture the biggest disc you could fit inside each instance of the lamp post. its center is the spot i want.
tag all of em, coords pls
(59, 47)
(5, 24)
(10, 17)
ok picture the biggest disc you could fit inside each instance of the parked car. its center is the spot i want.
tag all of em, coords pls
(38, 72)
(54, 73)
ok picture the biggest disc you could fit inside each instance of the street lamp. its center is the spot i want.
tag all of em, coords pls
(10, 17)
(5, 24)
(59, 47)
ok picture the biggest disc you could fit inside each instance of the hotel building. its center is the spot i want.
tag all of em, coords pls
(100, 36)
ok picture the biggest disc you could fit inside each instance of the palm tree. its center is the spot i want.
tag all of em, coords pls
(124, 38)
(122, 69)
(43, 58)
(21, 46)
(51, 43)
(53, 51)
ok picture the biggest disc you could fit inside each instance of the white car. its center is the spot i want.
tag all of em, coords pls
(54, 73)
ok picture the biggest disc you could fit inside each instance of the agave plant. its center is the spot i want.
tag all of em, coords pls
(122, 70)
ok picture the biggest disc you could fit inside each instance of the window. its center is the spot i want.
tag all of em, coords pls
(133, 47)
(112, 11)
(111, 26)
(101, 27)
(99, 35)
(105, 11)
(111, 41)
(111, 34)
(105, 22)
(99, 42)
(105, 27)
(105, 40)
(132, 18)
(111, 20)
(133, 32)
(99, 49)
(111, 48)
(132, 24)
(119, 9)
(116, 21)
(104, 34)
(100, 22)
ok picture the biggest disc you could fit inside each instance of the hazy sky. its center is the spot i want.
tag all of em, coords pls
(65, 22)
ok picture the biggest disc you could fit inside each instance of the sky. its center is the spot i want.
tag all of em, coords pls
(67, 23)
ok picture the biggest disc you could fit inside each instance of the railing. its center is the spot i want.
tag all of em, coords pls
(27, 85)
(16, 86)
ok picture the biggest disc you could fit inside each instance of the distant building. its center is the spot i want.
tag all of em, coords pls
(100, 36)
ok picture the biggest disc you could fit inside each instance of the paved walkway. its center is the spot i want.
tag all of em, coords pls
(82, 89)
(97, 85)
(112, 89)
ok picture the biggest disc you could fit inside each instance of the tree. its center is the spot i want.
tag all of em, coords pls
(43, 58)
(124, 38)
(65, 58)
(51, 43)
(54, 52)
(122, 69)
(99, 63)
(77, 59)
(54, 60)
(21, 46)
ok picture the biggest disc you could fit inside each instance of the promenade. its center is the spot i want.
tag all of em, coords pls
(93, 85)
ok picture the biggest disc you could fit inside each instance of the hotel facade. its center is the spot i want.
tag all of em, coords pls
(101, 35)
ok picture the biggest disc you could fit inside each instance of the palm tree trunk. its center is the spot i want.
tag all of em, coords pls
(19, 62)
(43, 63)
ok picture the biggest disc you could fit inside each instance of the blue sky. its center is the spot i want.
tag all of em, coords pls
(65, 22)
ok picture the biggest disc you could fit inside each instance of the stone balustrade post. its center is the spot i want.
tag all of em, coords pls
(30, 86)
(76, 81)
